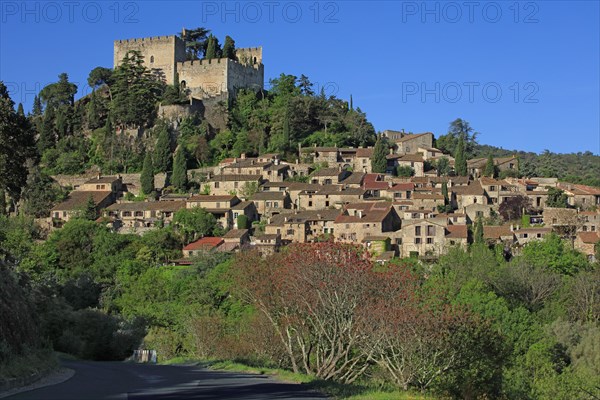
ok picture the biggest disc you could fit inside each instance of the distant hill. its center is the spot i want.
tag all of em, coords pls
(581, 168)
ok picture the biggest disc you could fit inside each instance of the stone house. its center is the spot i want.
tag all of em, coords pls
(77, 200)
(414, 161)
(329, 197)
(431, 153)
(267, 244)
(212, 201)
(143, 214)
(427, 201)
(470, 194)
(247, 208)
(499, 234)
(295, 188)
(269, 203)
(476, 166)
(526, 235)
(235, 240)
(233, 184)
(103, 184)
(399, 191)
(362, 162)
(422, 238)
(585, 242)
(581, 196)
(329, 176)
(360, 220)
(274, 186)
(590, 221)
(457, 235)
(303, 226)
(409, 143)
(200, 246)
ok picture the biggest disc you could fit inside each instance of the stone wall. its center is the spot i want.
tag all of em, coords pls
(204, 77)
(160, 54)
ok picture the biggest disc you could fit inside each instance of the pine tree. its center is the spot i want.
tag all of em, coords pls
(379, 160)
(89, 211)
(147, 177)
(445, 193)
(460, 158)
(490, 168)
(20, 110)
(229, 48)
(162, 152)
(93, 112)
(478, 231)
(37, 107)
(47, 138)
(179, 179)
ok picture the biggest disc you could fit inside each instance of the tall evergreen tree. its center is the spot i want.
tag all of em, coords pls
(47, 138)
(93, 112)
(90, 211)
(20, 110)
(162, 152)
(478, 231)
(2, 202)
(147, 177)
(445, 193)
(490, 168)
(211, 48)
(379, 160)
(460, 158)
(229, 48)
(37, 107)
(179, 178)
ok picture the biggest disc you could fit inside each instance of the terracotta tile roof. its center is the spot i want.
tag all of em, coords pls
(235, 177)
(242, 205)
(201, 198)
(354, 178)
(402, 187)
(228, 247)
(370, 213)
(268, 196)
(171, 206)
(361, 152)
(411, 158)
(79, 198)
(327, 172)
(204, 243)
(235, 234)
(102, 179)
(496, 232)
(427, 196)
(300, 186)
(411, 136)
(457, 231)
(473, 189)
(589, 237)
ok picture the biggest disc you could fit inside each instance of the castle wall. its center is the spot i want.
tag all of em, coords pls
(244, 76)
(160, 54)
(249, 55)
(208, 77)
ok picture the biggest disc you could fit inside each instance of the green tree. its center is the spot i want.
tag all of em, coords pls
(90, 211)
(445, 193)
(193, 223)
(442, 166)
(37, 110)
(17, 144)
(2, 202)
(147, 177)
(556, 198)
(490, 167)
(379, 160)
(39, 193)
(135, 92)
(478, 231)
(61, 93)
(47, 138)
(404, 171)
(460, 158)
(242, 222)
(229, 48)
(213, 49)
(195, 42)
(554, 254)
(162, 157)
(179, 178)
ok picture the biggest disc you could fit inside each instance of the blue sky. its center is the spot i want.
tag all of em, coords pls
(524, 74)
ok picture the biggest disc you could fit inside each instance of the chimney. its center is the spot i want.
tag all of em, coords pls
(243, 156)
(98, 175)
(360, 214)
(391, 151)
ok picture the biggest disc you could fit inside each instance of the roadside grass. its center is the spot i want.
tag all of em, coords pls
(28, 366)
(332, 389)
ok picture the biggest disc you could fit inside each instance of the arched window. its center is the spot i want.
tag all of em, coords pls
(151, 59)
(182, 84)
(254, 60)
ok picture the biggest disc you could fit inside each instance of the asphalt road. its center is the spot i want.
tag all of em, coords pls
(120, 381)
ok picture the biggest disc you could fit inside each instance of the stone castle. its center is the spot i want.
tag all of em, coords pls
(165, 56)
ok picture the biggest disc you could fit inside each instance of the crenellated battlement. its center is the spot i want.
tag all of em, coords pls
(151, 39)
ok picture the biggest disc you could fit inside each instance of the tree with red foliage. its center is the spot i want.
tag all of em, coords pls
(513, 207)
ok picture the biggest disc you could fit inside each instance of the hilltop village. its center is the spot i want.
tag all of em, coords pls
(260, 202)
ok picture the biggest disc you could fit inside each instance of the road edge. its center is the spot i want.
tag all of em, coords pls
(55, 378)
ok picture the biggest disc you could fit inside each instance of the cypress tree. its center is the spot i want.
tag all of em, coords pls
(379, 160)
(490, 168)
(179, 179)
(445, 193)
(211, 48)
(460, 158)
(147, 177)
(478, 231)
(37, 107)
(89, 211)
(47, 137)
(229, 48)
(162, 152)
(20, 110)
